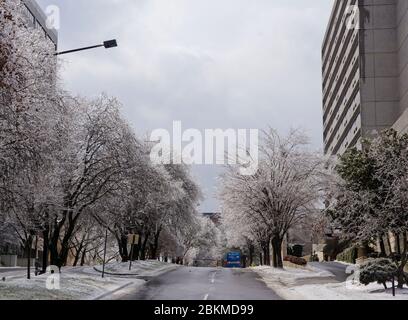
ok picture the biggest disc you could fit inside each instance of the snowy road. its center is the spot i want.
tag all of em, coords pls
(205, 284)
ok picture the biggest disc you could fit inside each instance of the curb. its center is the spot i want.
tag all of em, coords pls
(140, 276)
(117, 274)
(112, 292)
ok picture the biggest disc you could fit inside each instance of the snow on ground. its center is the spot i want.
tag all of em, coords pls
(79, 283)
(345, 263)
(314, 284)
(347, 291)
(293, 276)
(72, 286)
(139, 268)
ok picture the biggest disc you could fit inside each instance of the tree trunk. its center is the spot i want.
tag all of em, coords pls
(404, 258)
(144, 247)
(155, 245)
(265, 256)
(64, 252)
(389, 242)
(53, 248)
(266, 252)
(277, 252)
(251, 255)
(83, 257)
(45, 250)
(60, 248)
(260, 259)
(274, 256)
(397, 240)
(29, 243)
(274, 253)
(383, 252)
(123, 250)
(137, 249)
(77, 255)
(76, 258)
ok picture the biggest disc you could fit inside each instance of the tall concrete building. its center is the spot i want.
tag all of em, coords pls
(365, 73)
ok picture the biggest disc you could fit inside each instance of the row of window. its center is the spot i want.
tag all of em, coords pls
(343, 116)
(351, 78)
(349, 137)
(343, 55)
(348, 63)
(339, 24)
(335, 25)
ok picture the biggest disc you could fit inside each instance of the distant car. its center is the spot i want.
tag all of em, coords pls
(233, 260)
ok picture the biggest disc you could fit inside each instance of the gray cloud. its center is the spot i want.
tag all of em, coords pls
(208, 63)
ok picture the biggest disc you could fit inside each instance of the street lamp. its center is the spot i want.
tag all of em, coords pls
(106, 44)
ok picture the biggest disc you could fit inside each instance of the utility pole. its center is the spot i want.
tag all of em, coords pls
(131, 251)
(104, 253)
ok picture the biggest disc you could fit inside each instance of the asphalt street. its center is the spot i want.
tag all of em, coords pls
(204, 284)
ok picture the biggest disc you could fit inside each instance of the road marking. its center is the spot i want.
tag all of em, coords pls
(213, 277)
(206, 297)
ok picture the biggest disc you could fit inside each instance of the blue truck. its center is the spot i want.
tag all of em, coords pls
(233, 260)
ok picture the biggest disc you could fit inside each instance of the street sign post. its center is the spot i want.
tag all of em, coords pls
(104, 253)
(132, 239)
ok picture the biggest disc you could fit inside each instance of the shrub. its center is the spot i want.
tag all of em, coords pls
(296, 260)
(349, 255)
(295, 250)
(378, 270)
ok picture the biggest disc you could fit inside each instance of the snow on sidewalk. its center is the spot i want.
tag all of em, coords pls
(347, 291)
(81, 283)
(146, 268)
(293, 276)
(315, 284)
(72, 286)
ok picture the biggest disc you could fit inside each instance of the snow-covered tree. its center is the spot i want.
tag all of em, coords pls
(285, 189)
(91, 165)
(72, 167)
(370, 199)
(28, 107)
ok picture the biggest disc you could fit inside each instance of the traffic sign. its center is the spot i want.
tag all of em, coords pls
(133, 239)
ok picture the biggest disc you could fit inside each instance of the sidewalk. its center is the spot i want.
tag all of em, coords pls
(82, 283)
(314, 284)
(140, 269)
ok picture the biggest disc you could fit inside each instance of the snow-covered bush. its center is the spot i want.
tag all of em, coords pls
(378, 270)
(370, 198)
(349, 255)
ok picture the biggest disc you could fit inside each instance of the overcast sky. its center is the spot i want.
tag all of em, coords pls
(238, 64)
